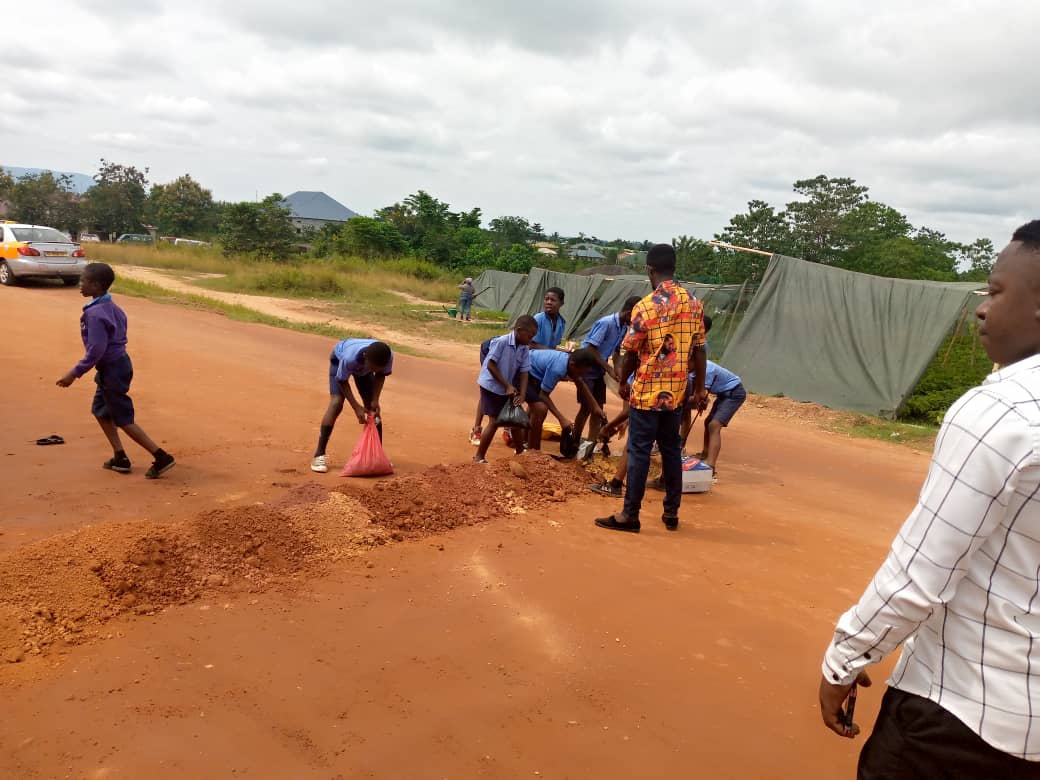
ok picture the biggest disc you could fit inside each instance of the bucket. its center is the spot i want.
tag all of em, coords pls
(452, 312)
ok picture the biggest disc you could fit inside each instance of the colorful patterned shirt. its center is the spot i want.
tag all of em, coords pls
(666, 324)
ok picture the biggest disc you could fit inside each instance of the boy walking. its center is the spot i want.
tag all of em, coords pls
(103, 329)
(503, 379)
(369, 362)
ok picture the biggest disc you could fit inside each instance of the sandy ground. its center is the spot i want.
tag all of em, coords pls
(529, 644)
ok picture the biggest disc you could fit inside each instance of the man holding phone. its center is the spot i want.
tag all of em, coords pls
(961, 584)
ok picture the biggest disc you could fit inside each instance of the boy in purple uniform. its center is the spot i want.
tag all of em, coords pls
(103, 328)
(503, 379)
(369, 362)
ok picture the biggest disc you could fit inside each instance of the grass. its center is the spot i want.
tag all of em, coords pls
(917, 436)
(154, 292)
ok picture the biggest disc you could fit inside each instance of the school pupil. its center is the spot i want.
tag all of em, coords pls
(730, 395)
(504, 378)
(103, 327)
(605, 341)
(369, 362)
(548, 368)
(551, 324)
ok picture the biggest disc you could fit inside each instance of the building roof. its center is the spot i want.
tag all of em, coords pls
(317, 205)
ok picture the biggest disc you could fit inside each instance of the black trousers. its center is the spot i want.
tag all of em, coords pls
(916, 739)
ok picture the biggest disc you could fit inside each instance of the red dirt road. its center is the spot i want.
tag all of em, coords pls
(532, 645)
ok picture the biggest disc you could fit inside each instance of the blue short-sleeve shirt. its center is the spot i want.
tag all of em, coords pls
(547, 335)
(510, 358)
(351, 356)
(549, 366)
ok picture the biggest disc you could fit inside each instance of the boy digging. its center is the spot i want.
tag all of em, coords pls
(370, 362)
(103, 329)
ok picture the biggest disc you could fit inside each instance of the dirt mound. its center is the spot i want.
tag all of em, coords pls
(450, 495)
(62, 590)
(789, 409)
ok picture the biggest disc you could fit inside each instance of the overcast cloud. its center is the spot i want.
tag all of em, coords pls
(639, 119)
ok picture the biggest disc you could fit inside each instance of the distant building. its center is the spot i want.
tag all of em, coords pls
(585, 252)
(314, 210)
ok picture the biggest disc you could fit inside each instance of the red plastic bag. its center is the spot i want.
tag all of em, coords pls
(368, 458)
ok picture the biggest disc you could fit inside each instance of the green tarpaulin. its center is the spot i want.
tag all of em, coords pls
(495, 289)
(842, 339)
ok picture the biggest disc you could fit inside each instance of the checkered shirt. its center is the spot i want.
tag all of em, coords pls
(665, 325)
(961, 584)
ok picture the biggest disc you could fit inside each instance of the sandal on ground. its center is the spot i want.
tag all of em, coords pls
(52, 439)
(612, 523)
(119, 465)
(606, 489)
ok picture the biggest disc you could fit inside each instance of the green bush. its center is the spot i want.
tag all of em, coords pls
(951, 373)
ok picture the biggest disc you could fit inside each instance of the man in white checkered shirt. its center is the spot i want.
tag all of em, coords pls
(961, 584)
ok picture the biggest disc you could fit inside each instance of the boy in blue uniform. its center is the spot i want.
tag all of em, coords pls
(605, 340)
(369, 362)
(503, 379)
(729, 395)
(551, 324)
(548, 368)
(103, 328)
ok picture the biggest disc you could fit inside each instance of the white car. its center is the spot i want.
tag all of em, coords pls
(36, 251)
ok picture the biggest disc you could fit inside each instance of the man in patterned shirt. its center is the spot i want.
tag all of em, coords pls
(960, 584)
(665, 342)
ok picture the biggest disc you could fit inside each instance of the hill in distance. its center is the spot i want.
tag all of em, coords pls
(80, 181)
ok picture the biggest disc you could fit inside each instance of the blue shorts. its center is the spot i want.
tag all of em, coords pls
(597, 384)
(491, 403)
(726, 405)
(111, 399)
(365, 383)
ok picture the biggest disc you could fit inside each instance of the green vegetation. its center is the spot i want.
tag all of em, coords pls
(921, 437)
(960, 364)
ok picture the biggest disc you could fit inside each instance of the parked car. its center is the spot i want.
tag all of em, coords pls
(91, 238)
(134, 238)
(37, 251)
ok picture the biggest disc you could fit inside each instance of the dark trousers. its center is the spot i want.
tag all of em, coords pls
(644, 428)
(366, 386)
(916, 739)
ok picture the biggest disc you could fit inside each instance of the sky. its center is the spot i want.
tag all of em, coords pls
(616, 118)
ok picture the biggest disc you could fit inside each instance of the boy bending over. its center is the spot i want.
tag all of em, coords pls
(504, 379)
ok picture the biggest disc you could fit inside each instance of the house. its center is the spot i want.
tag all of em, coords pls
(585, 252)
(314, 210)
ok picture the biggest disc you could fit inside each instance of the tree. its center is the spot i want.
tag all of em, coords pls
(181, 208)
(43, 199)
(816, 223)
(510, 230)
(263, 229)
(6, 184)
(518, 258)
(115, 204)
(976, 259)
(369, 238)
(694, 259)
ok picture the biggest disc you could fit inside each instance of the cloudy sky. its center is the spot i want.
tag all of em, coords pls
(633, 118)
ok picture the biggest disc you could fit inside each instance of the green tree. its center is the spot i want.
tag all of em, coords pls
(518, 258)
(817, 223)
(694, 259)
(262, 229)
(507, 231)
(45, 199)
(369, 238)
(976, 259)
(181, 208)
(115, 204)
(6, 184)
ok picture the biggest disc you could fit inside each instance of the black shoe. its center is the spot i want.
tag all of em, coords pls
(671, 523)
(121, 465)
(606, 489)
(613, 524)
(163, 462)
